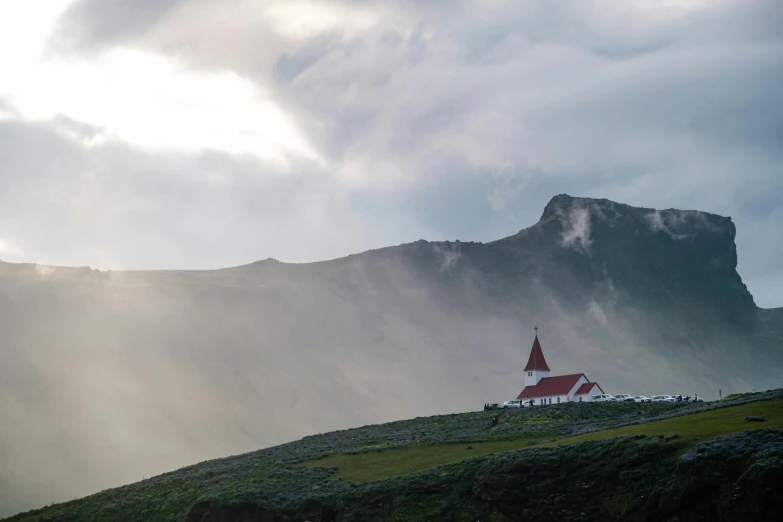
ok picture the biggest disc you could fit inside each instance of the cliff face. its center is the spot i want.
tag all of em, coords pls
(110, 376)
(671, 255)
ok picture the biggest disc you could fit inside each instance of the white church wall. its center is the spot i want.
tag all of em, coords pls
(553, 399)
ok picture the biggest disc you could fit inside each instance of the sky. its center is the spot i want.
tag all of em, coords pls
(152, 134)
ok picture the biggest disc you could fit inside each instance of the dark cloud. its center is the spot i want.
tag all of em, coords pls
(95, 24)
(289, 65)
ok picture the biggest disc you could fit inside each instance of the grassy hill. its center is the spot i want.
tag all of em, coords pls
(575, 461)
(691, 429)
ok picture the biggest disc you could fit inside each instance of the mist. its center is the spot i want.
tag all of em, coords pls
(109, 377)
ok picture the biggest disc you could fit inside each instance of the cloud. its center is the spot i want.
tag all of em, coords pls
(609, 281)
(10, 252)
(682, 224)
(576, 229)
(443, 105)
(145, 100)
(448, 255)
(393, 110)
(7, 110)
(656, 222)
(88, 24)
(596, 311)
(79, 205)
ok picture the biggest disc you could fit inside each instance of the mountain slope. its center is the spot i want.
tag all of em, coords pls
(106, 377)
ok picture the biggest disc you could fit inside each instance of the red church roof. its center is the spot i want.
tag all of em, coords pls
(536, 360)
(550, 386)
(586, 387)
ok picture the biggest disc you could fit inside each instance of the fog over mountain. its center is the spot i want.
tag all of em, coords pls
(169, 134)
(106, 377)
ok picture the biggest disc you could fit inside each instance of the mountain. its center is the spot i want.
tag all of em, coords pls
(107, 377)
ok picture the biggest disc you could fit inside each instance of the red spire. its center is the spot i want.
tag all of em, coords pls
(536, 360)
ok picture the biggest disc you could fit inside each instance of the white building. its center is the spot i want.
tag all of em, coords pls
(542, 389)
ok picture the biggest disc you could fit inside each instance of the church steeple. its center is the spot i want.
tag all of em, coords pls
(537, 367)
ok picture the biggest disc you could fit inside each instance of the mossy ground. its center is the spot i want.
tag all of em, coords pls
(691, 430)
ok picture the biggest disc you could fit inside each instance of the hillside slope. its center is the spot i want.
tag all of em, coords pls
(106, 377)
(720, 468)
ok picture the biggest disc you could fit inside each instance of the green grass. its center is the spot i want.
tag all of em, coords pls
(691, 429)
(364, 467)
(699, 427)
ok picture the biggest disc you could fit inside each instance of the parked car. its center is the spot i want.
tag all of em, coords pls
(512, 404)
(663, 398)
(603, 398)
(623, 397)
(642, 398)
(493, 406)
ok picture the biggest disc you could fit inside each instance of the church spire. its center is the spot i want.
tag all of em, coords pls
(536, 361)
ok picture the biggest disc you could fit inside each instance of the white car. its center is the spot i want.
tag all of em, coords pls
(603, 398)
(663, 398)
(511, 404)
(623, 397)
(642, 398)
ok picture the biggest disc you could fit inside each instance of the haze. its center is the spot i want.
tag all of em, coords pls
(193, 135)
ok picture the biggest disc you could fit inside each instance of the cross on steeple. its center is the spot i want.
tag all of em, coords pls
(536, 329)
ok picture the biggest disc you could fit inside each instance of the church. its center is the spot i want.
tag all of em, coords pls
(543, 389)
